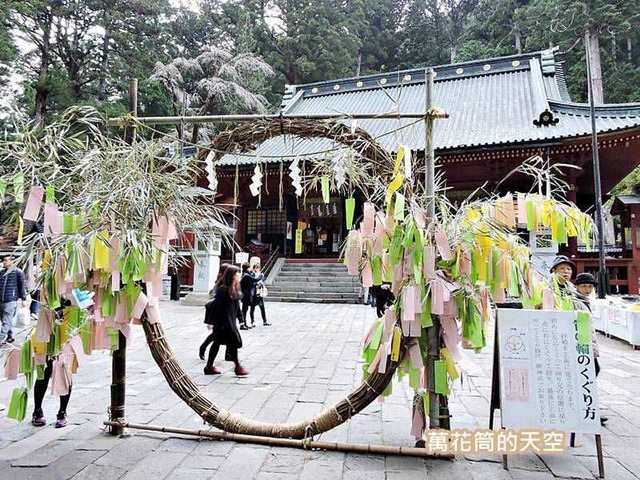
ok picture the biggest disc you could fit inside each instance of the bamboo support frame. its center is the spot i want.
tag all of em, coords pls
(306, 444)
(194, 119)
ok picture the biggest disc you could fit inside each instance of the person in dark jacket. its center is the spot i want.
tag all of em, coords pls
(260, 288)
(384, 297)
(12, 289)
(223, 312)
(248, 285)
(212, 293)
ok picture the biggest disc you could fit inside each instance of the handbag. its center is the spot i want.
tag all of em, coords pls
(262, 290)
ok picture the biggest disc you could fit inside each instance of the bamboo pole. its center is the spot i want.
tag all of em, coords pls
(122, 121)
(306, 444)
(597, 184)
(119, 359)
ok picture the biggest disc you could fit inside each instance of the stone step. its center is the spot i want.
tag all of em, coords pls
(315, 299)
(312, 265)
(313, 289)
(314, 271)
(316, 279)
(284, 295)
(326, 282)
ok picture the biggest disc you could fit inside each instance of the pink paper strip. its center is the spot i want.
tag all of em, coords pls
(52, 220)
(415, 328)
(384, 359)
(34, 202)
(451, 336)
(416, 356)
(367, 276)
(61, 376)
(465, 262)
(153, 314)
(44, 327)
(368, 218)
(114, 253)
(12, 364)
(437, 297)
(138, 307)
(128, 333)
(78, 350)
(40, 359)
(115, 281)
(417, 424)
(429, 261)
(408, 303)
(442, 242)
(417, 306)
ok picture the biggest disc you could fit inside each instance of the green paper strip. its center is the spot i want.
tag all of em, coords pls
(50, 194)
(532, 222)
(441, 381)
(26, 359)
(68, 223)
(376, 268)
(583, 325)
(325, 189)
(3, 189)
(398, 211)
(350, 207)
(18, 404)
(377, 335)
(18, 187)
(414, 378)
(40, 372)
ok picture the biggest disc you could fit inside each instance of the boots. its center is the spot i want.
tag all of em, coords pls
(241, 371)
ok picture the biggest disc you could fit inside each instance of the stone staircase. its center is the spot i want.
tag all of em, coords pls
(315, 283)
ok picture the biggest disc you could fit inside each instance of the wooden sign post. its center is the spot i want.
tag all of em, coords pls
(544, 374)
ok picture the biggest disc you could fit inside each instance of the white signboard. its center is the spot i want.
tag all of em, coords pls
(547, 379)
(242, 257)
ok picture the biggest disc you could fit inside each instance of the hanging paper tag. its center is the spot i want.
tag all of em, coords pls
(350, 206)
(20, 231)
(34, 203)
(395, 344)
(398, 213)
(583, 326)
(50, 194)
(325, 189)
(18, 188)
(441, 381)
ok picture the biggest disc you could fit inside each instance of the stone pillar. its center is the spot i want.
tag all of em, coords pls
(206, 267)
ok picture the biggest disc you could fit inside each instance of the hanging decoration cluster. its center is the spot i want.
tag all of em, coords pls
(105, 242)
(452, 268)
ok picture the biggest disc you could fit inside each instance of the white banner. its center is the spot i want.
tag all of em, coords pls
(547, 379)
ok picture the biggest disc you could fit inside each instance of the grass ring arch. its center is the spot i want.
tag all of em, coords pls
(240, 140)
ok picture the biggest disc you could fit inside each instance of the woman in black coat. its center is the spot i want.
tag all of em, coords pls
(223, 312)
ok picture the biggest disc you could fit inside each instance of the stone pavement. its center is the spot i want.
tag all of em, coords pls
(307, 360)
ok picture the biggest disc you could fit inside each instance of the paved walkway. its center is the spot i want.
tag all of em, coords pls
(307, 360)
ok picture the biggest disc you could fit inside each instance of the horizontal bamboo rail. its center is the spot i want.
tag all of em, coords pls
(122, 121)
(306, 444)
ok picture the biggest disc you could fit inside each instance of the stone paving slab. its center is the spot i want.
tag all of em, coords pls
(305, 362)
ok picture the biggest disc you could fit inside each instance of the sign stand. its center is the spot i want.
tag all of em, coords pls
(495, 402)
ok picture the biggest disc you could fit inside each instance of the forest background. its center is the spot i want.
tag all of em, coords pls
(235, 56)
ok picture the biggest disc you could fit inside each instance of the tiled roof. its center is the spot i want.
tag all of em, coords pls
(489, 102)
